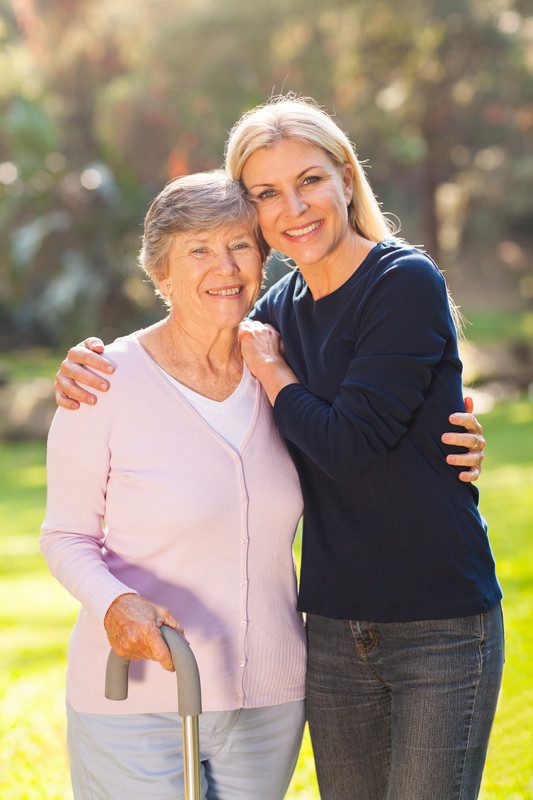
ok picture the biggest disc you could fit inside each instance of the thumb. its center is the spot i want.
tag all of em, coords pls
(469, 405)
(167, 619)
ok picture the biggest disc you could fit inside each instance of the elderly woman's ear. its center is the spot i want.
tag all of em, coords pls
(165, 287)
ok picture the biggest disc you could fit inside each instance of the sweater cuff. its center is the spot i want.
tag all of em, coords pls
(104, 589)
(285, 404)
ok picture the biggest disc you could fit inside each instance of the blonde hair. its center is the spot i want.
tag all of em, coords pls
(200, 202)
(291, 117)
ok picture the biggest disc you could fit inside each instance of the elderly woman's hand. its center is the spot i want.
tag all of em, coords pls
(132, 625)
(473, 440)
(76, 369)
(262, 351)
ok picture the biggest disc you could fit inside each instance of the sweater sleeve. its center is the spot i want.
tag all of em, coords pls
(72, 534)
(402, 334)
(262, 311)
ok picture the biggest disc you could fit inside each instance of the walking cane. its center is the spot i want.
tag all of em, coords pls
(189, 700)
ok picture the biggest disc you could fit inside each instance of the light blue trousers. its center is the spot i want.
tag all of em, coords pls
(248, 753)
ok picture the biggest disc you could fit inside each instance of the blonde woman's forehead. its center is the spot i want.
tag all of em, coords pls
(286, 156)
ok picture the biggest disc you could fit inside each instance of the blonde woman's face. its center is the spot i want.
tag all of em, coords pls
(301, 198)
(214, 276)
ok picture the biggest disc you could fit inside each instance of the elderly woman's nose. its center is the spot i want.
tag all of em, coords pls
(227, 263)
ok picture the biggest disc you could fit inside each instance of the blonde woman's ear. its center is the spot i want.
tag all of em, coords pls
(348, 182)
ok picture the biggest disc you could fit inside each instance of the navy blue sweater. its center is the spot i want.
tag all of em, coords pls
(390, 532)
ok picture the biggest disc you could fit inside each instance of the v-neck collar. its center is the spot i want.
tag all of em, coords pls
(171, 389)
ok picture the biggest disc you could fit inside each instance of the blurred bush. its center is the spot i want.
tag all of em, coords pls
(101, 103)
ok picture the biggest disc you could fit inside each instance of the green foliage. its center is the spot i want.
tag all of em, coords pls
(434, 94)
(36, 615)
(498, 326)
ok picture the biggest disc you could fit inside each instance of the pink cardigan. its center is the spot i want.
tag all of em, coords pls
(190, 524)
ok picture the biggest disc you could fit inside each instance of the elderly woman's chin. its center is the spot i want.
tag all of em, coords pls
(228, 310)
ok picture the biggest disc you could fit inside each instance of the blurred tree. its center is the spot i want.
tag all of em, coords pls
(103, 102)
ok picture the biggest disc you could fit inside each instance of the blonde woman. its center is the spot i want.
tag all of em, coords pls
(405, 637)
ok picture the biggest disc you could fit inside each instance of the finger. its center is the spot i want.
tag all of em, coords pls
(472, 441)
(160, 652)
(467, 421)
(94, 343)
(470, 476)
(64, 401)
(465, 459)
(71, 389)
(81, 355)
(244, 333)
(83, 375)
(469, 404)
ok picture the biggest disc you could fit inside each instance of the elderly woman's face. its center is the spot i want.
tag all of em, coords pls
(214, 276)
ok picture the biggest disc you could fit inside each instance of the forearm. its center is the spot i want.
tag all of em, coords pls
(76, 561)
(72, 539)
(274, 375)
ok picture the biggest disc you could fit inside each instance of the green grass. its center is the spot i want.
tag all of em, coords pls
(486, 327)
(27, 364)
(36, 616)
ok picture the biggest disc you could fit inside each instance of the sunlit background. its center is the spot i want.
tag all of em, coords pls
(101, 103)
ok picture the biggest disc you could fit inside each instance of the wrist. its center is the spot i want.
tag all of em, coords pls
(274, 376)
(118, 601)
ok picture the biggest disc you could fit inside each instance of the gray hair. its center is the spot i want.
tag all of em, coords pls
(200, 202)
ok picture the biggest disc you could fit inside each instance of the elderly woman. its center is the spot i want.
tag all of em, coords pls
(201, 502)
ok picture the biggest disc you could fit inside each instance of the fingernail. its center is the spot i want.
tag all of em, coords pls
(109, 368)
(103, 386)
(91, 400)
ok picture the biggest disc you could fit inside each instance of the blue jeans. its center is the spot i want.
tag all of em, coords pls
(402, 710)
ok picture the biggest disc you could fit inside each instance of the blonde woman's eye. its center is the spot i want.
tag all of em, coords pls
(266, 195)
(311, 179)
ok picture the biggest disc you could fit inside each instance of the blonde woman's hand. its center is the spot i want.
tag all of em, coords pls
(77, 368)
(262, 351)
(133, 624)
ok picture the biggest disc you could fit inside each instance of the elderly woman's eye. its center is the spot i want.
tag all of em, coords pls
(241, 246)
(200, 251)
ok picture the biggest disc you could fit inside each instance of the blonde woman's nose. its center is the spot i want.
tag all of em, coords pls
(296, 205)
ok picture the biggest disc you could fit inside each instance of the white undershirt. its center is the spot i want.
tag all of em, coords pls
(232, 417)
